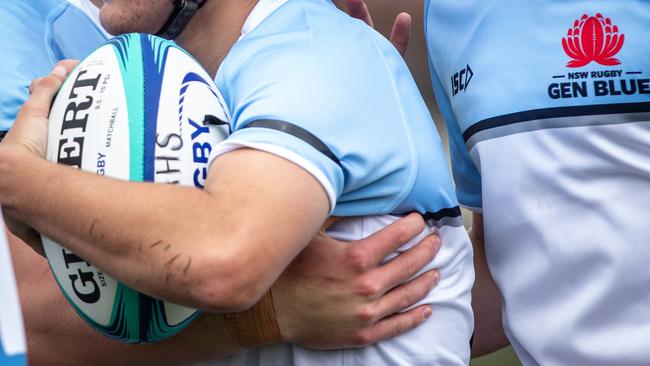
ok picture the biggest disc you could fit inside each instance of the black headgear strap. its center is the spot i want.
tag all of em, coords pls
(183, 12)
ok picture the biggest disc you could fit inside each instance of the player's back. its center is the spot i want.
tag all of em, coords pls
(36, 35)
(548, 104)
(310, 84)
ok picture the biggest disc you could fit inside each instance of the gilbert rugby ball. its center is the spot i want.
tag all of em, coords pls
(139, 108)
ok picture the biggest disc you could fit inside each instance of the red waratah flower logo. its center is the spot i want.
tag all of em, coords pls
(593, 39)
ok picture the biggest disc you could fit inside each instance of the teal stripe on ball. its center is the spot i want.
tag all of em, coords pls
(132, 71)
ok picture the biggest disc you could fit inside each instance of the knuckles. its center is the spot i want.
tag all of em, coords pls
(411, 266)
(407, 299)
(358, 260)
(402, 234)
(50, 82)
(367, 315)
(432, 245)
(362, 338)
(398, 329)
(368, 287)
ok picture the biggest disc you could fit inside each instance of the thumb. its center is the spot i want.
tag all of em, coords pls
(43, 92)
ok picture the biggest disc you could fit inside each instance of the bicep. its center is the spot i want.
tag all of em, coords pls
(274, 206)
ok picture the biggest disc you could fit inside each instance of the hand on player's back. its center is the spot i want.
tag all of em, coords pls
(339, 295)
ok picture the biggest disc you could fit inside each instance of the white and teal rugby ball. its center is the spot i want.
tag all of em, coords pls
(139, 108)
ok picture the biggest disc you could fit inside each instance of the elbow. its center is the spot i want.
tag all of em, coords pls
(225, 283)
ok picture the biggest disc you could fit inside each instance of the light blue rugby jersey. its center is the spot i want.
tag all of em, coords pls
(548, 110)
(36, 35)
(297, 83)
(308, 83)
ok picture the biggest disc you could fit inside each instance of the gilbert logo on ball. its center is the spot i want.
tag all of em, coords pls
(593, 39)
(139, 108)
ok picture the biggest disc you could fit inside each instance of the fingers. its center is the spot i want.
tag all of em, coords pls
(393, 326)
(406, 265)
(401, 34)
(358, 9)
(51, 82)
(43, 91)
(369, 252)
(407, 295)
(69, 64)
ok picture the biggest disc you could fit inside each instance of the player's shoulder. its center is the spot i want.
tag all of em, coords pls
(302, 24)
(312, 40)
(39, 20)
(26, 23)
(34, 10)
(42, 32)
(19, 15)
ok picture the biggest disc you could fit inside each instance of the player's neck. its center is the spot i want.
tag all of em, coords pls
(214, 30)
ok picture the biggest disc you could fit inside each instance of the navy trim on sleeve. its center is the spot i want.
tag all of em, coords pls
(450, 212)
(298, 132)
(2, 135)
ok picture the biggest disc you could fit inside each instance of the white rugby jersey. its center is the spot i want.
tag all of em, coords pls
(548, 107)
(308, 83)
(12, 334)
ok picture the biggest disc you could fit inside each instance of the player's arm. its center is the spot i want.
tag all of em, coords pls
(334, 275)
(192, 248)
(218, 249)
(56, 335)
(489, 335)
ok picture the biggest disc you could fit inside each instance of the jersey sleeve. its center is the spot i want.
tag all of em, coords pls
(336, 117)
(466, 176)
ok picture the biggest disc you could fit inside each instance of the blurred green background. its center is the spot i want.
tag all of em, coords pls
(383, 13)
(504, 357)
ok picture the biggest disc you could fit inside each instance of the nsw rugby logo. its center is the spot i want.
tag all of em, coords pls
(593, 39)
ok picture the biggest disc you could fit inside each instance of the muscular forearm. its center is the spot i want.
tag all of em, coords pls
(131, 232)
(489, 335)
(58, 336)
(175, 243)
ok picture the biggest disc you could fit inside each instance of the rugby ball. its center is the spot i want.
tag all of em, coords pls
(138, 108)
